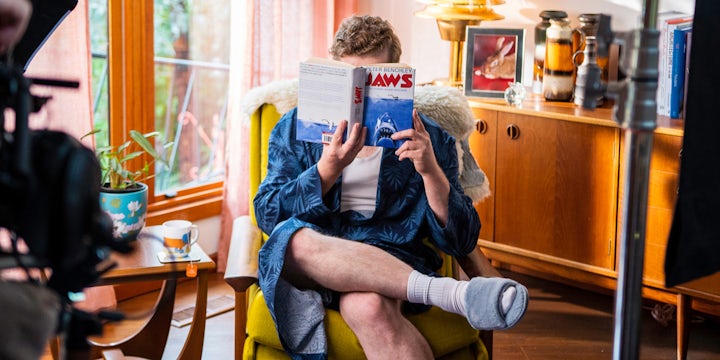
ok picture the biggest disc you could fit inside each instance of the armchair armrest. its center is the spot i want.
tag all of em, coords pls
(242, 263)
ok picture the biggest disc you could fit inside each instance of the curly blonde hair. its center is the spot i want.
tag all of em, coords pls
(366, 36)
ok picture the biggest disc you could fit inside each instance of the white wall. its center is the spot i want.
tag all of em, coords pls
(209, 234)
(423, 49)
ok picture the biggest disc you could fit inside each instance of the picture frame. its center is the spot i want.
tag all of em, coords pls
(493, 60)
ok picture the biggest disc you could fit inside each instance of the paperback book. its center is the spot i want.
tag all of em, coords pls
(379, 96)
(679, 56)
(667, 22)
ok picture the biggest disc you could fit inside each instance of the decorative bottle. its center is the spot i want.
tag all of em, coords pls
(558, 70)
(586, 72)
(539, 60)
(589, 27)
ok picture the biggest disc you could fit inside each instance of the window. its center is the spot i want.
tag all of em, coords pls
(162, 66)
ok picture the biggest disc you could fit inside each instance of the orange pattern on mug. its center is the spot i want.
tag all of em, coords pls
(174, 243)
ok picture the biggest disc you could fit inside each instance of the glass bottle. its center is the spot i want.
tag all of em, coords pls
(587, 72)
(589, 27)
(559, 68)
(539, 60)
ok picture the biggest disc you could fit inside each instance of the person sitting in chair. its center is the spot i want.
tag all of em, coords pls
(349, 224)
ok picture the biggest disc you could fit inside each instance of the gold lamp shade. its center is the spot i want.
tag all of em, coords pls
(452, 19)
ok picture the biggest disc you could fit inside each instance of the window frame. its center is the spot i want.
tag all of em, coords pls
(131, 99)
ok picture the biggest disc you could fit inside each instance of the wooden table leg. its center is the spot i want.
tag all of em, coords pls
(192, 349)
(684, 303)
(150, 341)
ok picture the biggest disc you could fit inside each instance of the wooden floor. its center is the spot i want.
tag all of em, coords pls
(562, 322)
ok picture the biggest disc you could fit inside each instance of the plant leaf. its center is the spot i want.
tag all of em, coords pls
(131, 156)
(123, 147)
(144, 143)
(92, 132)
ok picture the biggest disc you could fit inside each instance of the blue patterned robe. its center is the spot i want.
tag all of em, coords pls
(290, 197)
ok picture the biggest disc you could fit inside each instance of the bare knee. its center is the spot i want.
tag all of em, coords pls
(302, 246)
(370, 311)
(300, 253)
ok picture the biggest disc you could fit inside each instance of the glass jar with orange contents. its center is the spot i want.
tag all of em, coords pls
(540, 39)
(559, 69)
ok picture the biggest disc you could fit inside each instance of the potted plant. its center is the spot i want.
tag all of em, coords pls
(123, 194)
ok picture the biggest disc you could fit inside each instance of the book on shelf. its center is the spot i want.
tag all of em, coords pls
(675, 24)
(667, 22)
(678, 71)
(378, 96)
(688, 47)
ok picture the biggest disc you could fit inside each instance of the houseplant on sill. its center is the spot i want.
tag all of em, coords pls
(123, 194)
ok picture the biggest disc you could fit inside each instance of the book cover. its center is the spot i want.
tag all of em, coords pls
(328, 92)
(665, 21)
(380, 96)
(666, 72)
(678, 71)
(389, 94)
(688, 49)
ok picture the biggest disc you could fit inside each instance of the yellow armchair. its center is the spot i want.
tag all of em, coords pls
(450, 336)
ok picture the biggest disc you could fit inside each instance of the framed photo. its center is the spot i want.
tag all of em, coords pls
(493, 60)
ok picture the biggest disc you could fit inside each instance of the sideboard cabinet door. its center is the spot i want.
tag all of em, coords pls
(482, 143)
(556, 188)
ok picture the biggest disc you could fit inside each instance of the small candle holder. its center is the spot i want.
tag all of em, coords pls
(515, 94)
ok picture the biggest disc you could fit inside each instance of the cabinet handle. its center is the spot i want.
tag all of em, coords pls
(513, 131)
(481, 126)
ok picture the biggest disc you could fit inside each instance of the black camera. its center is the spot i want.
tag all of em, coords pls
(49, 181)
(50, 185)
(50, 188)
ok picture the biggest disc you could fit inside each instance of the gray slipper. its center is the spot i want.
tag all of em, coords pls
(483, 305)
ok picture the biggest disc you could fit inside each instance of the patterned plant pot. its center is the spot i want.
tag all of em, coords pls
(127, 208)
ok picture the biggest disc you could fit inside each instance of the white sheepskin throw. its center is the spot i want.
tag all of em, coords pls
(281, 93)
(450, 109)
(446, 105)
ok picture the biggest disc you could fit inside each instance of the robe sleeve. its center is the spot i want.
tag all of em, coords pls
(459, 236)
(292, 186)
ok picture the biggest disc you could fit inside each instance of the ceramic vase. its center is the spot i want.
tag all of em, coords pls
(127, 209)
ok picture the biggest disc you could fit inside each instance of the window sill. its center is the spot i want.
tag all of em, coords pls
(194, 206)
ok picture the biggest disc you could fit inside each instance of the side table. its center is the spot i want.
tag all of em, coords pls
(143, 265)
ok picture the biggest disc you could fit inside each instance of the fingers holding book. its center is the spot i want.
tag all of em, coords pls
(417, 146)
(337, 154)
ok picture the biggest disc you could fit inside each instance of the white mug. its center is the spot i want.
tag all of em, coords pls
(179, 236)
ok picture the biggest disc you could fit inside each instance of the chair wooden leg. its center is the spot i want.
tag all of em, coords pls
(54, 347)
(684, 304)
(240, 323)
(487, 338)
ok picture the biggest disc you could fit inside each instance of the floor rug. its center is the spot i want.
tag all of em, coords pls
(216, 305)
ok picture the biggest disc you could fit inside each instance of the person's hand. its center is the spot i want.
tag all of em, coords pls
(417, 147)
(14, 17)
(337, 155)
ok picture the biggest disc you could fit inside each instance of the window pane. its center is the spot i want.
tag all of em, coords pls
(99, 49)
(191, 90)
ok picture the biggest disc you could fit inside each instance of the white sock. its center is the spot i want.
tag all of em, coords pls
(446, 293)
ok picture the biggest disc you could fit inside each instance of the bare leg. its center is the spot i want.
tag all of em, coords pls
(313, 259)
(345, 266)
(373, 284)
(383, 332)
(476, 264)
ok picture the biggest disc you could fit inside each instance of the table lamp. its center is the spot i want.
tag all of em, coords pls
(452, 17)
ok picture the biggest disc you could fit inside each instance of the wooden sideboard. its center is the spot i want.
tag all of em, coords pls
(556, 173)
